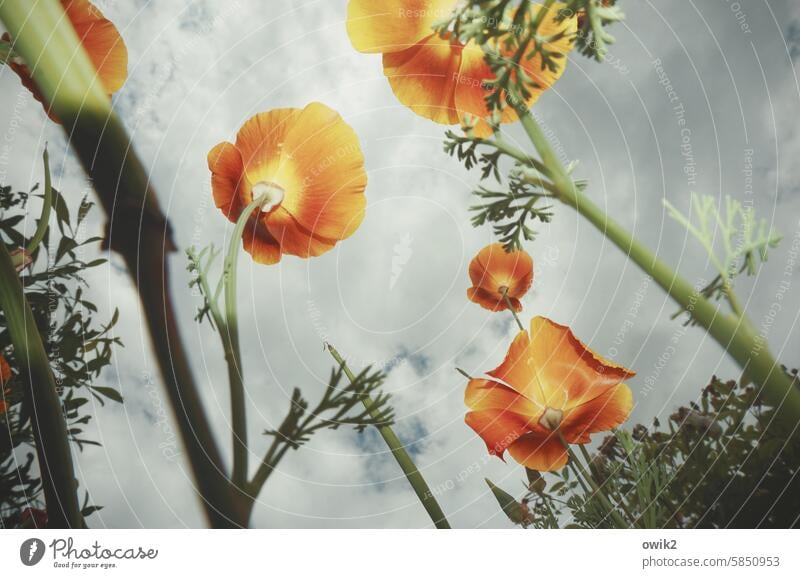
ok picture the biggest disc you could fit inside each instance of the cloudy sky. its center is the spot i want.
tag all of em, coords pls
(394, 294)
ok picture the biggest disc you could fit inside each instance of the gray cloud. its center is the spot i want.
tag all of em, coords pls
(394, 294)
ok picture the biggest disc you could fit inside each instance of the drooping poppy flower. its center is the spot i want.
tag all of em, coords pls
(495, 273)
(309, 164)
(441, 78)
(550, 389)
(102, 42)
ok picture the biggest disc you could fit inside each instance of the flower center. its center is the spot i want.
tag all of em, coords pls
(551, 418)
(272, 193)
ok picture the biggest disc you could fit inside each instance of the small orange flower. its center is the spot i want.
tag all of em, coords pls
(102, 42)
(5, 375)
(309, 163)
(441, 78)
(495, 272)
(550, 386)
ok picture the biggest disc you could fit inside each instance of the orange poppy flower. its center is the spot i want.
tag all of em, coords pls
(495, 272)
(309, 163)
(549, 387)
(441, 78)
(102, 42)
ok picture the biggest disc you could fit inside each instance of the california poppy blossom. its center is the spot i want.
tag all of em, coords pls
(496, 273)
(441, 78)
(550, 389)
(309, 165)
(102, 42)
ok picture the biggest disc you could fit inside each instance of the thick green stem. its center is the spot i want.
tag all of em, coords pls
(734, 334)
(400, 454)
(137, 228)
(229, 332)
(47, 417)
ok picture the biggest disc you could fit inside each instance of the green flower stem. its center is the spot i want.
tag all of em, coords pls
(47, 417)
(47, 205)
(229, 332)
(511, 308)
(137, 228)
(619, 521)
(620, 501)
(400, 454)
(738, 338)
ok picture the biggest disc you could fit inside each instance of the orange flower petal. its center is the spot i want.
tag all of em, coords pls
(392, 25)
(498, 428)
(225, 164)
(566, 365)
(555, 369)
(541, 451)
(424, 76)
(482, 394)
(493, 268)
(324, 175)
(603, 413)
(260, 142)
(313, 158)
(102, 42)
(294, 239)
(260, 243)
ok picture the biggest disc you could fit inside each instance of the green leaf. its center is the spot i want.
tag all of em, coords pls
(109, 392)
(511, 507)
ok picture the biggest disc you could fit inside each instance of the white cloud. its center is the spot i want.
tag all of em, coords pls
(198, 72)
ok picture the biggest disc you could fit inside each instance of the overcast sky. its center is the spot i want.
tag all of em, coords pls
(393, 295)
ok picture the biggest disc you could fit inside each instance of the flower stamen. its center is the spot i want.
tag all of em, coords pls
(272, 192)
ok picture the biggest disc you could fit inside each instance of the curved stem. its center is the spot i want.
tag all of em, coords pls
(47, 417)
(735, 335)
(137, 228)
(47, 205)
(229, 332)
(510, 306)
(400, 454)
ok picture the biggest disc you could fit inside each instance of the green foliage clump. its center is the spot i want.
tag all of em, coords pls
(717, 463)
(78, 345)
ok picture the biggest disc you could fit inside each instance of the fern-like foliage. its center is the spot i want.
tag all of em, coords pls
(341, 404)
(735, 240)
